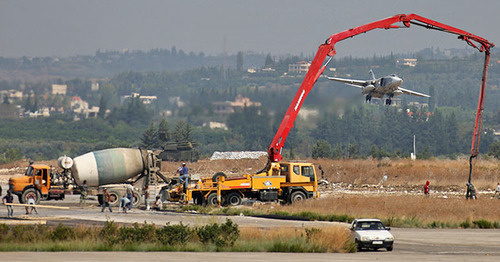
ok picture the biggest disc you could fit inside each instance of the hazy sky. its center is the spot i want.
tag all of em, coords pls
(69, 27)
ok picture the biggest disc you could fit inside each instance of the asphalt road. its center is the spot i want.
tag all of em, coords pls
(410, 244)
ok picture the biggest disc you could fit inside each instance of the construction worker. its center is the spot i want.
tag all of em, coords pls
(497, 191)
(146, 197)
(106, 199)
(31, 201)
(130, 195)
(124, 201)
(83, 193)
(158, 204)
(426, 188)
(9, 199)
(184, 175)
(471, 191)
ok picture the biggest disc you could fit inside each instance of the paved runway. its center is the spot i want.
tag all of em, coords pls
(410, 244)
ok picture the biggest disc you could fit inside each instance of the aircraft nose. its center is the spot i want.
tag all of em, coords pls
(399, 80)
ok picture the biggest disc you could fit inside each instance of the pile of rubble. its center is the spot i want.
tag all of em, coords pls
(238, 155)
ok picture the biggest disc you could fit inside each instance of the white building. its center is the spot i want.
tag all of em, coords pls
(59, 89)
(409, 62)
(229, 107)
(144, 99)
(299, 67)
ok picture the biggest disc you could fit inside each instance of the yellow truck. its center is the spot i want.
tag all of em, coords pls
(288, 182)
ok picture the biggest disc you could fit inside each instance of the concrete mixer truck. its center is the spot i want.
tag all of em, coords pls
(108, 168)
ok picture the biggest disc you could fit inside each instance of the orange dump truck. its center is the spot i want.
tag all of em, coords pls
(39, 182)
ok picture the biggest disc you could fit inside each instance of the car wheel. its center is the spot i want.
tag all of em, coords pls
(358, 245)
(389, 248)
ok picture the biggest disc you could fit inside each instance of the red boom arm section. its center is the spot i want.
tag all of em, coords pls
(328, 49)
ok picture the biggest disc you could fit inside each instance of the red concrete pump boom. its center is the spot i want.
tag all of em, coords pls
(328, 49)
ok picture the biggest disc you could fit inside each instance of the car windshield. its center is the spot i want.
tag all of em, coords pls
(370, 225)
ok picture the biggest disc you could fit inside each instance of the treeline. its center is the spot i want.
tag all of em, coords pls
(362, 132)
(49, 138)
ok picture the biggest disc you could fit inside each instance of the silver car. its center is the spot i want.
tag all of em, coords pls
(370, 233)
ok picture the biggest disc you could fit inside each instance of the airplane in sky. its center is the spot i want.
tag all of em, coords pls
(389, 86)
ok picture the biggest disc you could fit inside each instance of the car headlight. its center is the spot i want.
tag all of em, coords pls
(365, 238)
(389, 239)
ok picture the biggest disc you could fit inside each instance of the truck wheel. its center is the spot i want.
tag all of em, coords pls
(212, 199)
(114, 198)
(137, 199)
(31, 192)
(217, 175)
(233, 199)
(297, 196)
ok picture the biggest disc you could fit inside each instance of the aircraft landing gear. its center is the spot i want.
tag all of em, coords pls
(368, 98)
(388, 101)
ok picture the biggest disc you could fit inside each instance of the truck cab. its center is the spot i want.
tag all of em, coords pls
(37, 181)
(301, 181)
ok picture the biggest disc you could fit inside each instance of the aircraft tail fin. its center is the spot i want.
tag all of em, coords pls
(372, 74)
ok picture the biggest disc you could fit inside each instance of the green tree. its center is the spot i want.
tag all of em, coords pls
(269, 61)
(102, 107)
(133, 112)
(432, 98)
(239, 61)
(253, 125)
(164, 135)
(149, 138)
(353, 150)
(188, 133)
(6, 100)
(180, 131)
(321, 149)
(495, 149)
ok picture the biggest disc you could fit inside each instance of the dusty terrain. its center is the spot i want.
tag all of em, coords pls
(386, 176)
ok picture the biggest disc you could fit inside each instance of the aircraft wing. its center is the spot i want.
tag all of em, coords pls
(351, 82)
(409, 92)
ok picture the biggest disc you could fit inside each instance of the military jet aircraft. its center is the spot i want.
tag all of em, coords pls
(389, 86)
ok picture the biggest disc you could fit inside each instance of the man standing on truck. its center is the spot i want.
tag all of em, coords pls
(106, 199)
(184, 175)
(83, 193)
(9, 199)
